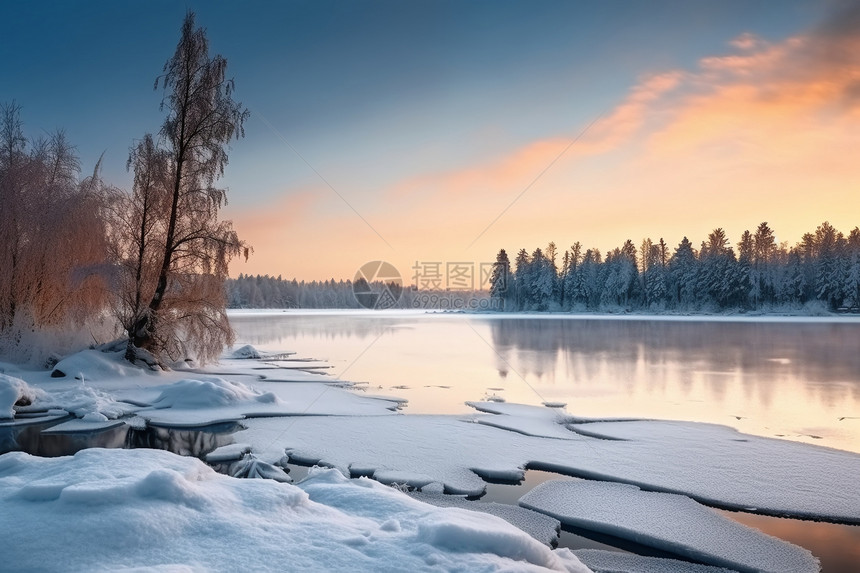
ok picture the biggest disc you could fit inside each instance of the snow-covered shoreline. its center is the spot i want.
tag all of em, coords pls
(292, 415)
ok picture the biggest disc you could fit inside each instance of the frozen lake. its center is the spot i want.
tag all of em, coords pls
(796, 378)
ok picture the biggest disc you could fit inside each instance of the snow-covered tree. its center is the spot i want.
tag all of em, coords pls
(499, 279)
(683, 268)
(852, 271)
(522, 278)
(570, 276)
(829, 275)
(52, 241)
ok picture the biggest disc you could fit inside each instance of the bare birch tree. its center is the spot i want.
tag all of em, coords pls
(177, 301)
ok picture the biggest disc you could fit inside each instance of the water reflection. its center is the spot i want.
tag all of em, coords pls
(799, 380)
(272, 329)
(837, 546)
(825, 355)
(195, 442)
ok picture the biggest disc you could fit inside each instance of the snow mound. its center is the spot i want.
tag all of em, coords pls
(669, 522)
(15, 391)
(89, 403)
(193, 518)
(209, 393)
(453, 530)
(617, 562)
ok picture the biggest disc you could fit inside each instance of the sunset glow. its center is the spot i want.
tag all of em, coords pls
(446, 151)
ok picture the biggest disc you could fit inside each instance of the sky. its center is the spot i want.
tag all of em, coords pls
(443, 131)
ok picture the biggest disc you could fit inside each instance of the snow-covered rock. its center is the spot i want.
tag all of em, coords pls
(247, 352)
(15, 391)
(94, 365)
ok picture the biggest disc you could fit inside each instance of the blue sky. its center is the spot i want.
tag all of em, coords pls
(371, 94)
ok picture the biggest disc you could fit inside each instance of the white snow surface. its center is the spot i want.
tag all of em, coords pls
(713, 464)
(103, 510)
(616, 562)
(669, 522)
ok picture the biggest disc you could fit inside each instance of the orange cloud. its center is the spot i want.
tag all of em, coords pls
(752, 134)
(517, 169)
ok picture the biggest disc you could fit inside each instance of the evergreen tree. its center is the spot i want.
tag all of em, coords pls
(682, 275)
(522, 279)
(499, 279)
(829, 270)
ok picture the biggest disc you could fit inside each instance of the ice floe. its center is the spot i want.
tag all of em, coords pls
(208, 400)
(668, 522)
(540, 526)
(713, 464)
(545, 422)
(601, 561)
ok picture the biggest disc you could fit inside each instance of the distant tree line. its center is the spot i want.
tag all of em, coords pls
(264, 291)
(759, 274)
(80, 257)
